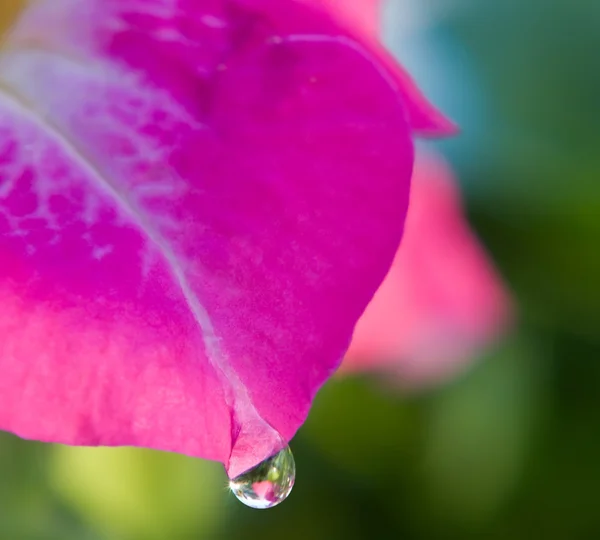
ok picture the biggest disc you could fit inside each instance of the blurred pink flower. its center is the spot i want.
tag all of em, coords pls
(442, 301)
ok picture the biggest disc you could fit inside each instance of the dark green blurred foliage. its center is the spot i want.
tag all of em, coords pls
(511, 449)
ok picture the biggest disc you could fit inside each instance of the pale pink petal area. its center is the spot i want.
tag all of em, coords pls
(180, 181)
(362, 14)
(442, 300)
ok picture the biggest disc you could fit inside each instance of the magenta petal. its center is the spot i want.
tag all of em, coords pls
(180, 182)
(363, 16)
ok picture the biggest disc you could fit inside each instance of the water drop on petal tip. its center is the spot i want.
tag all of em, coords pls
(267, 484)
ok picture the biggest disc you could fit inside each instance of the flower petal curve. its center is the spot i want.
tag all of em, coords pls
(175, 183)
(364, 16)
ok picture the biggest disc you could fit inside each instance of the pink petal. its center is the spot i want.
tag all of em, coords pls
(442, 300)
(364, 16)
(176, 181)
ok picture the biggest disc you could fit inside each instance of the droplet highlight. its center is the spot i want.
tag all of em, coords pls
(267, 484)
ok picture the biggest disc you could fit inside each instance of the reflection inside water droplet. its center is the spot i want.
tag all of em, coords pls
(267, 484)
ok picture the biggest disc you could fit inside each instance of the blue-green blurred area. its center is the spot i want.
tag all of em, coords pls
(510, 449)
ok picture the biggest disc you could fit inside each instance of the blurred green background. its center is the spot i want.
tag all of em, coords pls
(511, 449)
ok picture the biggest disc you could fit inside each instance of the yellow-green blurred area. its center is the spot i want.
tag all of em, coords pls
(510, 450)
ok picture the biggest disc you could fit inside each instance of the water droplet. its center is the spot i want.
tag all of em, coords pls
(267, 484)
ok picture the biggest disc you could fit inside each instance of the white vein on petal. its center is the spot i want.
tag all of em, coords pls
(89, 25)
(39, 157)
(240, 398)
(131, 201)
